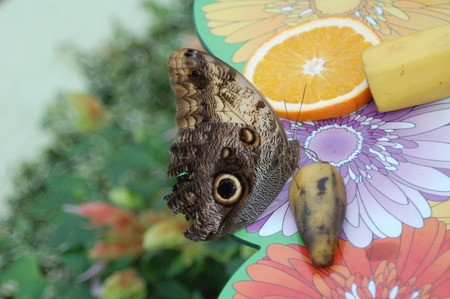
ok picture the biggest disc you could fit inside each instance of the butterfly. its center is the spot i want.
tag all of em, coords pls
(232, 156)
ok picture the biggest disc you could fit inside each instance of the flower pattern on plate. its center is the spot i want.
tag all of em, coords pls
(252, 22)
(392, 163)
(415, 265)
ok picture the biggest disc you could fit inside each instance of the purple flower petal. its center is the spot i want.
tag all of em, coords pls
(360, 236)
(429, 163)
(423, 178)
(257, 225)
(289, 224)
(364, 159)
(428, 122)
(418, 200)
(405, 143)
(344, 171)
(386, 186)
(433, 198)
(278, 202)
(406, 212)
(275, 223)
(399, 125)
(391, 163)
(396, 115)
(352, 212)
(429, 150)
(441, 134)
(380, 221)
(440, 105)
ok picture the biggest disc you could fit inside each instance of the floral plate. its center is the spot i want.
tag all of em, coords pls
(395, 241)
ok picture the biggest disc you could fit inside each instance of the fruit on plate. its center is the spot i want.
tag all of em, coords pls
(315, 68)
(410, 70)
(318, 200)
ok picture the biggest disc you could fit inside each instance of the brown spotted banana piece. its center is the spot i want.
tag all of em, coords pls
(318, 200)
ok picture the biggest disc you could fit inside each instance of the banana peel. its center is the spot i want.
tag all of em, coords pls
(318, 200)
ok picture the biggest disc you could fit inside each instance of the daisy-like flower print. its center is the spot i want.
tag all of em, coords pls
(416, 265)
(251, 22)
(392, 163)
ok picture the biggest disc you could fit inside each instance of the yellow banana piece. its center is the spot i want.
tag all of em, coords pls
(318, 200)
(410, 70)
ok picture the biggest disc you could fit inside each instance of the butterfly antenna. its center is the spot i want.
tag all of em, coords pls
(312, 153)
(297, 118)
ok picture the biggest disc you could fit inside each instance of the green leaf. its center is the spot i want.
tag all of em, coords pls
(72, 291)
(26, 273)
(171, 289)
(67, 184)
(76, 260)
(71, 232)
(125, 198)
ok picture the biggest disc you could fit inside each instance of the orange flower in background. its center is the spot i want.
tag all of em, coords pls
(251, 22)
(415, 265)
(123, 234)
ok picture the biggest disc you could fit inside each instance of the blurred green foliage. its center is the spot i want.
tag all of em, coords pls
(111, 146)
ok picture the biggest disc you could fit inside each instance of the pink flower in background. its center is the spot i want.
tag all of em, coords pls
(392, 163)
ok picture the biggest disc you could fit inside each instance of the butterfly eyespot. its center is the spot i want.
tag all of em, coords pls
(248, 136)
(227, 189)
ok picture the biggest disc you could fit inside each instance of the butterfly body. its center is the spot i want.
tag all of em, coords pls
(232, 156)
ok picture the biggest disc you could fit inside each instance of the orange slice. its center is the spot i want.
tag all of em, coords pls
(315, 68)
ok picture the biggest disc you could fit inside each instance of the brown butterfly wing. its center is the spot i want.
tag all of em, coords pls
(232, 156)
